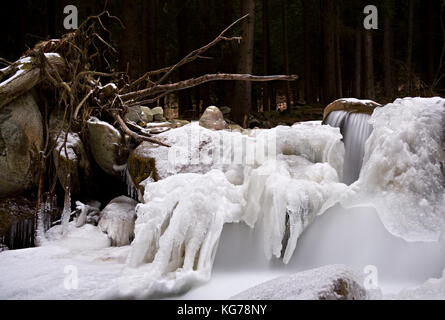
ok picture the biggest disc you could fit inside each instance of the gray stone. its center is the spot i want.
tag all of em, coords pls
(157, 110)
(106, 145)
(147, 114)
(159, 118)
(21, 138)
(213, 119)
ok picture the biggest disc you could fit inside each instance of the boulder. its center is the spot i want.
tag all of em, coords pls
(334, 282)
(73, 160)
(213, 119)
(226, 111)
(21, 138)
(139, 115)
(106, 146)
(158, 114)
(350, 105)
(117, 221)
(142, 165)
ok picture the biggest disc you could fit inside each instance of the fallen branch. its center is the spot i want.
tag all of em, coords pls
(134, 135)
(186, 84)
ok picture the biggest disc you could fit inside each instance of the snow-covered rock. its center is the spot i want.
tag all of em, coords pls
(212, 118)
(106, 145)
(433, 289)
(334, 282)
(350, 105)
(117, 220)
(70, 157)
(21, 138)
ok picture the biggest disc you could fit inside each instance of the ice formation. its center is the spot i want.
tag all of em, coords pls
(402, 174)
(117, 220)
(180, 222)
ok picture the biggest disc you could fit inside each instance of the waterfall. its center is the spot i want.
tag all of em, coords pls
(356, 129)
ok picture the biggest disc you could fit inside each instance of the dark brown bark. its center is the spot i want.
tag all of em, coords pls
(130, 54)
(429, 39)
(369, 91)
(409, 54)
(243, 90)
(338, 64)
(357, 83)
(308, 85)
(328, 25)
(388, 39)
(266, 54)
(286, 50)
(229, 57)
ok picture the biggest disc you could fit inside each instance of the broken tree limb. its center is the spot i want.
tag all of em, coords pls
(186, 84)
(27, 75)
(133, 134)
(198, 52)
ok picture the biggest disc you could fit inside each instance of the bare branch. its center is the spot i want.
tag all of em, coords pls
(198, 52)
(203, 79)
(134, 135)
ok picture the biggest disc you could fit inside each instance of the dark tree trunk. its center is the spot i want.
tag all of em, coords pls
(184, 98)
(409, 54)
(286, 51)
(388, 38)
(357, 83)
(229, 58)
(328, 25)
(266, 55)
(130, 55)
(308, 85)
(243, 90)
(338, 64)
(369, 66)
(429, 39)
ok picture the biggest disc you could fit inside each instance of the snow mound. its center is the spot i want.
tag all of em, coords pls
(117, 220)
(433, 289)
(402, 174)
(334, 282)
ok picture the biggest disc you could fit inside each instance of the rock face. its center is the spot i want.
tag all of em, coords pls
(335, 282)
(350, 105)
(117, 221)
(21, 136)
(106, 145)
(213, 119)
(73, 160)
(17, 222)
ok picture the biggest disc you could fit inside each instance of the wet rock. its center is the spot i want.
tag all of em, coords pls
(106, 146)
(158, 114)
(21, 138)
(350, 105)
(142, 165)
(213, 119)
(117, 220)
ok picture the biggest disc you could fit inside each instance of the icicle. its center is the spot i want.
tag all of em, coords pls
(66, 214)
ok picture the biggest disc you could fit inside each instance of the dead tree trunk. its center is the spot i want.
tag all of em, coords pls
(243, 90)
